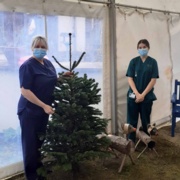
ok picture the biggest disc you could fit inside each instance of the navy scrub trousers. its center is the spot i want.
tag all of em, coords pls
(136, 109)
(32, 127)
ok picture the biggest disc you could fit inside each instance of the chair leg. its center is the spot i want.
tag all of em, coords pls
(173, 126)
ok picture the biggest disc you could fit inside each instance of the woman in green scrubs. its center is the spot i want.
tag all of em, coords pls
(142, 74)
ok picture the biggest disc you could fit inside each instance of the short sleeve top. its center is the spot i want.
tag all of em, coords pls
(40, 79)
(142, 73)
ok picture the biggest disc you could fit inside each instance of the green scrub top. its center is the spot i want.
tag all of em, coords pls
(142, 73)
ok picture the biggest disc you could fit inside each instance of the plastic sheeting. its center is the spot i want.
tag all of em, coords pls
(88, 22)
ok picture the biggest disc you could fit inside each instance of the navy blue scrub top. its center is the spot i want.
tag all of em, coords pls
(41, 80)
(142, 73)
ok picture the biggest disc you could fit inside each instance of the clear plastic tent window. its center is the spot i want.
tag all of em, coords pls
(17, 31)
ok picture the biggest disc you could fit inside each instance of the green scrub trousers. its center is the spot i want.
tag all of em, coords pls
(134, 110)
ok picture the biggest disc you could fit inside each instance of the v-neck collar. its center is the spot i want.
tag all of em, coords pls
(43, 65)
(144, 60)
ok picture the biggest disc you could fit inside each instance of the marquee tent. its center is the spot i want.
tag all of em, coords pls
(108, 30)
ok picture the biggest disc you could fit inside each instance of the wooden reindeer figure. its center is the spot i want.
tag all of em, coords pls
(122, 145)
(147, 139)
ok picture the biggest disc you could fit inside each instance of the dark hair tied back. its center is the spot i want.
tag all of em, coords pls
(144, 41)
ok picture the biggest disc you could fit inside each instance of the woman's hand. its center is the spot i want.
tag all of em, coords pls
(139, 98)
(68, 73)
(29, 95)
(48, 109)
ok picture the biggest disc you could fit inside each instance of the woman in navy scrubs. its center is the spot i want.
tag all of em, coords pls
(142, 74)
(37, 78)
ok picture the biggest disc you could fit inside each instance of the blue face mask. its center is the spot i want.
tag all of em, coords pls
(39, 53)
(143, 52)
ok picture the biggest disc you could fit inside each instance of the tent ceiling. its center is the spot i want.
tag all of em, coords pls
(167, 5)
(49, 7)
(35, 6)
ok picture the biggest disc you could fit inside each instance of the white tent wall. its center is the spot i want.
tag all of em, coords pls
(132, 26)
(170, 9)
(175, 41)
(11, 170)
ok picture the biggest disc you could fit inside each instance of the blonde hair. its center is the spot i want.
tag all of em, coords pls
(38, 39)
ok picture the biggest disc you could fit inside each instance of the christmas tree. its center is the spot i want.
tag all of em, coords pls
(72, 131)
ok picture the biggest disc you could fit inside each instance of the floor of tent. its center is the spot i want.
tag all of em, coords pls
(163, 165)
(165, 133)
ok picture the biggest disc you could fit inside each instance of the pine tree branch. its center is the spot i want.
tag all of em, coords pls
(60, 64)
(76, 64)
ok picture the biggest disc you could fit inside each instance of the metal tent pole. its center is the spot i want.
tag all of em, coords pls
(113, 62)
(94, 1)
(45, 18)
